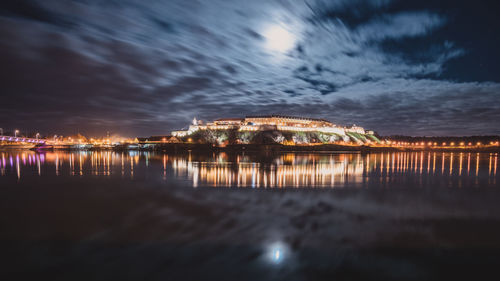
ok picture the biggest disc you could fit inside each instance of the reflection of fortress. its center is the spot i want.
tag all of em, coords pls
(272, 122)
(287, 170)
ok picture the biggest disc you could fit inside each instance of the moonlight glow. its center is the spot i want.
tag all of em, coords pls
(279, 39)
(276, 252)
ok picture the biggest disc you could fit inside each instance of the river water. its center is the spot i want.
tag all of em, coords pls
(247, 216)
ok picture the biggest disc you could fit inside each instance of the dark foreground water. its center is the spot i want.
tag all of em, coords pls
(295, 216)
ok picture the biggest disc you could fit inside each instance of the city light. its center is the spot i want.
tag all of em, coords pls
(218, 132)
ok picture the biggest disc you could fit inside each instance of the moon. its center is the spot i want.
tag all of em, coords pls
(279, 39)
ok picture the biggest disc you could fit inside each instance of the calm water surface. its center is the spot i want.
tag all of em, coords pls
(299, 170)
(247, 216)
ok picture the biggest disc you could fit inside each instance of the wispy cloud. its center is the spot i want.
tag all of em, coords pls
(400, 25)
(133, 66)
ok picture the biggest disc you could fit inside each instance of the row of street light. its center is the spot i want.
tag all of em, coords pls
(450, 144)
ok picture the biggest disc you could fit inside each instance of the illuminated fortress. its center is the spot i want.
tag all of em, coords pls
(277, 123)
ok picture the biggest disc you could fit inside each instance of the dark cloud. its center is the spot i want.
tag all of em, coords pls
(141, 68)
(30, 10)
(164, 25)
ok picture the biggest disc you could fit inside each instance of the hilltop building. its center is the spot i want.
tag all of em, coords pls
(273, 122)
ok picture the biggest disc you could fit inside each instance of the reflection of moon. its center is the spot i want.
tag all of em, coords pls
(277, 252)
(277, 255)
(278, 38)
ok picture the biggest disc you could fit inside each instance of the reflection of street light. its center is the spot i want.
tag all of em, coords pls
(15, 133)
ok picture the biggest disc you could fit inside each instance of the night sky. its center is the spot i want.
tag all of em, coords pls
(146, 67)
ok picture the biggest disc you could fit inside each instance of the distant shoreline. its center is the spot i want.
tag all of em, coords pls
(341, 148)
(312, 148)
(179, 147)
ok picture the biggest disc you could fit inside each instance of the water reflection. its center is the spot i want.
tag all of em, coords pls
(283, 170)
(264, 170)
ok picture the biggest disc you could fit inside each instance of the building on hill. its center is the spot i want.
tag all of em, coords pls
(282, 120)
(275, 123)
(229, 121)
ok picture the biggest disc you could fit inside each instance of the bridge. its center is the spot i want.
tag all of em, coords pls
(20, 140)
